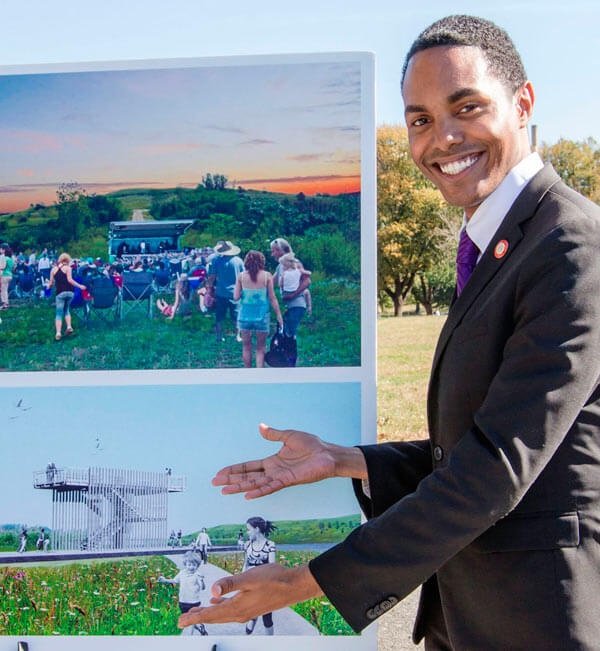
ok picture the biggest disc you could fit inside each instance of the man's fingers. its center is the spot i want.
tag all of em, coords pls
(226, 584)
(217, 614)
(229, 474)
(266, 489)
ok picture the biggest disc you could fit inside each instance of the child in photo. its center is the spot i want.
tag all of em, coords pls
(289, 278)
(183, 300)
(191, 586)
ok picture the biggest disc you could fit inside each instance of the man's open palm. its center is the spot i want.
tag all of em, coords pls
(303, 458)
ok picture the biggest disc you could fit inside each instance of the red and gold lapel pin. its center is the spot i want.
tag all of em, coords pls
(500, 249)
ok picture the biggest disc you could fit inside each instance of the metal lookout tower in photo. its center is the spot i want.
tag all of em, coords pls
(102, 509)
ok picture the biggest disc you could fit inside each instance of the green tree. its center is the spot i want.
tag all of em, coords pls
(74, 213)
(577, 163)
(415, 227)
(434, 288)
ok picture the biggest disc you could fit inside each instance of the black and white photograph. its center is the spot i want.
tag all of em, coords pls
(109, 523)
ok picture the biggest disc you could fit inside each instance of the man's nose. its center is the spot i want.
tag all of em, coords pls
(448, 133)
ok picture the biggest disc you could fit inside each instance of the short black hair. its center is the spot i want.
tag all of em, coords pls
(503, 60)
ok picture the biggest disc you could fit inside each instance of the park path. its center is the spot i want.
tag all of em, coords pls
(285, 621)
(394, 631)
(138, 215)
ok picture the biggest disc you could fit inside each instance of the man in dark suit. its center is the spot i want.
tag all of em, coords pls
(498, 513)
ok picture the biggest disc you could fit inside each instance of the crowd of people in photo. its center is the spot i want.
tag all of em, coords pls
(212, 280)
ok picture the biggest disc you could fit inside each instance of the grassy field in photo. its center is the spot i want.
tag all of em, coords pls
(92, 598)
(120, 597)
(330, 337)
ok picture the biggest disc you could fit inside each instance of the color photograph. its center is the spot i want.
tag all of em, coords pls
(186, 215)
(109, 523)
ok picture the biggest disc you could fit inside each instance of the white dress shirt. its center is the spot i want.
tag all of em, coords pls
(486, 220)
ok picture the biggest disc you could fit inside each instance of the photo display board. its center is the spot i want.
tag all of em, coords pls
(195, 199)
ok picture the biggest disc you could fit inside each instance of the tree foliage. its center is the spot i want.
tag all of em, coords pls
(416, 228)
(577, 163)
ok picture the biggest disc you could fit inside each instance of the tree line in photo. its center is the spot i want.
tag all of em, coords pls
(325, 229)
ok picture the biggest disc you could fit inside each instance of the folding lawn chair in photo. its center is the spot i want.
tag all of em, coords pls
(162, 281)
(26, 286)
(136, 293)
(104, 300)
(79, 307)
(13, 288)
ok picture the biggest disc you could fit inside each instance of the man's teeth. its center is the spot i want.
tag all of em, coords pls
(458, 166)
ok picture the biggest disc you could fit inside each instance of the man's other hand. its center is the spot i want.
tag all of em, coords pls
(258, 591)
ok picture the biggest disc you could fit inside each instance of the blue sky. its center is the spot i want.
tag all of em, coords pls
(558, 40)
(194, 429)
(264, 126)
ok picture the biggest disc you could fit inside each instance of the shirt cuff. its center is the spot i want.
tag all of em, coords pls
(366, 488)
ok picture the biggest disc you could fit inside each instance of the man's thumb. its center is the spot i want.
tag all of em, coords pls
(223, 586)
(270, 433)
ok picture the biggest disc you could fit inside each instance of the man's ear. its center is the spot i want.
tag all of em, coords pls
(524, 100)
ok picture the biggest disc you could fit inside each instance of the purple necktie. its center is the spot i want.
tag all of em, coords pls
(466, 259)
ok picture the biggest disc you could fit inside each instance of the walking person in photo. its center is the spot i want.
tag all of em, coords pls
(254, 290)
(259, 550)
(294, 301)
(22, 541)
(191, 586)
(202, 544)
(223, 269)
(62, 277)
(41, 541)
(6, 273)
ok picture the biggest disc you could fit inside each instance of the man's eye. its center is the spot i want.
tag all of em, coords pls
(467, 108)
(419, 122)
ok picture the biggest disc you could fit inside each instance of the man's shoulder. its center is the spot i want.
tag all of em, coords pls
(549, 204)
(569, 200)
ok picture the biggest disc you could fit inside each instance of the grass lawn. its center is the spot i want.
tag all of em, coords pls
(330, 337)
(404, 355)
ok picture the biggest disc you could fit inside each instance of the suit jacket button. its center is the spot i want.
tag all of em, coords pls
(438, 453)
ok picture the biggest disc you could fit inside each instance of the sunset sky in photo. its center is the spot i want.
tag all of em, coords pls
(280, 127)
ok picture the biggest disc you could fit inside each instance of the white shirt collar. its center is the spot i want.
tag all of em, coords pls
(486, 220)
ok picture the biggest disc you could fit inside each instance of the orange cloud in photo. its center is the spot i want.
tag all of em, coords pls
(308, 185)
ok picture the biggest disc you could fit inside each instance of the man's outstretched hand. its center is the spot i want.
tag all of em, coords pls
(258, 591)
(302, 459)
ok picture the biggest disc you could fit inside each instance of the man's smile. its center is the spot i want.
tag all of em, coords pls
(452, 168)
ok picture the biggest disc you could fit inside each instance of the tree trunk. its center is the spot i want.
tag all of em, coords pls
(398, 303)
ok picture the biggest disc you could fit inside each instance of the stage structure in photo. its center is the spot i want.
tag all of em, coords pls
(146, 237)
(103, 509)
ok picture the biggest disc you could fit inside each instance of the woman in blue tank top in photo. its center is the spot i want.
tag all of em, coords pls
(254, 290)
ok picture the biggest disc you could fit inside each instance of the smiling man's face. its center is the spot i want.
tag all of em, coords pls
(466, 129)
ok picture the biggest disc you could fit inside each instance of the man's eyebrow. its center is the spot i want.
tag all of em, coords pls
(414, 108)
(456, 96)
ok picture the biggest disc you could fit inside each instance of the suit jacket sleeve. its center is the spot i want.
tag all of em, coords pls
(547, 374)
(395, 470)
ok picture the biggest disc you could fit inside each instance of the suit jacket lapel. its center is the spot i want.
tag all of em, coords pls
(489, 265)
